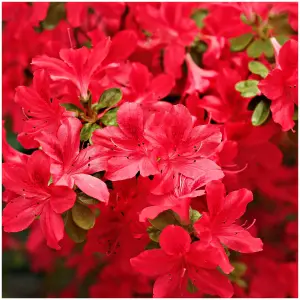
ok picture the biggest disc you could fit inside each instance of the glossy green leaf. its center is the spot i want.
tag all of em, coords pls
(86, 200)
(110, 118)
(258, 47)
(87, 130)
(258, 68)
(295, 115)
(71, 107)
(152, 245)
(268, 48)
(247, 21)
(241, 283)
(247, 88)
(239, 269)
(255, 49)
(109, 98)
(198, 16)
(83, 216)
(241, 42)
(164, 219)
(56, 12)
(194, 215)
(281, 25)
(153, 233)
(77, 234)
(260, 113)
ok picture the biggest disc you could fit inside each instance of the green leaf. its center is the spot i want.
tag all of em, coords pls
(109, 98)
(268, 48)
(56, 12)
(281, 25)
(87, 130)
(239, 269)
(241, 283)
(71, 107)
(258, 47)
(83, 216)
(164, 219)
(247, 88)
(153, 233)
(77, 234)
(198, 16)
(194, 215)
(86, 200)
(281, 39)
(152, 245)
(260, 113)
(255, 49)
(245, 20)
(110, 118)
(241, 42)
(258, 68)
(191, 287)
(295, 115)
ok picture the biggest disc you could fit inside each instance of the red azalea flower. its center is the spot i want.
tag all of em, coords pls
(198, 79)
(76, 65)
(218, 226)
(130, 152)
(181, 149)
(178, 200)
(71, 166)
(228, 105)
(145, 89)
(281, 85)
(42, 112)
(35, 198)
(179, 261)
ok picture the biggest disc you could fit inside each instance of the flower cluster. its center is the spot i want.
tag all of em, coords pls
(150, 134)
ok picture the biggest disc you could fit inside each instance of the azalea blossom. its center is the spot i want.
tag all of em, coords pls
(177, 262)
(35, 198)
(218, 227)
(281, 85)
(71, 166)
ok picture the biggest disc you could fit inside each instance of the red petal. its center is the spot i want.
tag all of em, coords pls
(139, 78)
(282, 112)
(273, 85)
(215, 197)
(130, 120)
(212, 282)
(288, 56)
(173, 59)
(153, 262)
(123, 45)
(19, 213)
(235, 205)
(62, 198)
(121, 168)
(92, 186)
(52, 226)
(51, 146)
(237, 238)
(69, 138)
(174, 240)
(162, 85)
(168, 285)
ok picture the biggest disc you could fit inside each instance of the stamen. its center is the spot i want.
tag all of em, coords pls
(70, 39)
